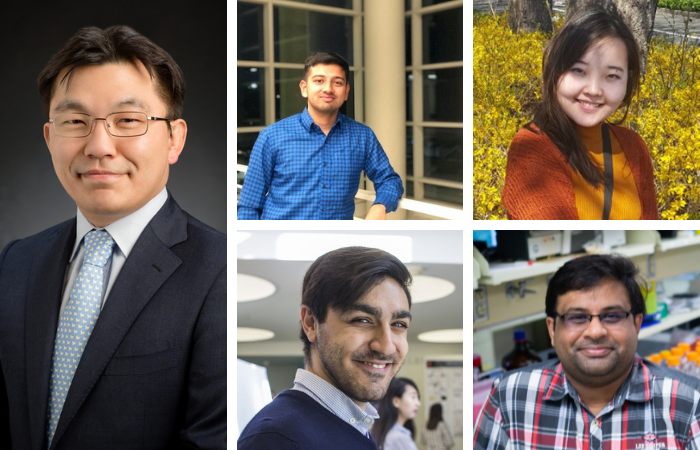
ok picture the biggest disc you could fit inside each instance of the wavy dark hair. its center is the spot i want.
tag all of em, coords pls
(388, 414)
(572, 41)
(435, 416)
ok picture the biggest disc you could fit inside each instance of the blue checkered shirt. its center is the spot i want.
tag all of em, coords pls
(297, 172)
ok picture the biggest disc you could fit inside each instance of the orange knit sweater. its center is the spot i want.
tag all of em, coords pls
(539, 178)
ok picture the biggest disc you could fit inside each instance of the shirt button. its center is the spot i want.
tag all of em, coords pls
(352, 420)
(367, 420)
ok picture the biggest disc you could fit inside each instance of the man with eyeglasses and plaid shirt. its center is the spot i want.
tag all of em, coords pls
(599, 393)
(113, 323)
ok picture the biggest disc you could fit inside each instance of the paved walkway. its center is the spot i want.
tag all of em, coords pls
(667, 23)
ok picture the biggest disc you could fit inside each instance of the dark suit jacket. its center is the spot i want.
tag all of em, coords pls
(153, 373)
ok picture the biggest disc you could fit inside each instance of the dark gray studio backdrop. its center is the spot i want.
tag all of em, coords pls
(194, 33)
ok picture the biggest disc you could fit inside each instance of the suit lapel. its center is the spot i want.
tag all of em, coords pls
(149, 265)
(41, 321)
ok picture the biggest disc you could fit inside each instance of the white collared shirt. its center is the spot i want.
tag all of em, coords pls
(125, 232)
(335, 401)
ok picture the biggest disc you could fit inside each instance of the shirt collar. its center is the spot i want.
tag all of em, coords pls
(335, 400)
(634, 388)
(401, 429)
(124, 231)
(307, 121)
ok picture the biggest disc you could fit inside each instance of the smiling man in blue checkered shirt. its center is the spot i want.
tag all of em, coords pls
(308, 166)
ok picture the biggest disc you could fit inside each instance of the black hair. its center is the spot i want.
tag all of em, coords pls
(435, 416)
(341, 277)
(388, 414)
(326, 58)
(586, 272)
(91, 46)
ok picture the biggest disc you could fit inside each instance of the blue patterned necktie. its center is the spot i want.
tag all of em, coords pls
(77, 321)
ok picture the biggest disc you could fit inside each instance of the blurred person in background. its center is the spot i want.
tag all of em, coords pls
(436, 435)
(394, 430)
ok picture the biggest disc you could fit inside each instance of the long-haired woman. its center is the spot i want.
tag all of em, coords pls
(569, 163)
(394, 430)
(436, 435)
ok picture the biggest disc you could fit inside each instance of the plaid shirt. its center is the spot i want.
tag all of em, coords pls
(296, 172)
(536, 408)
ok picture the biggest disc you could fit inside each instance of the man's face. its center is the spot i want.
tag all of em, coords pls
(598, 354)
(111, 177)
(362, 349)
(325, 88)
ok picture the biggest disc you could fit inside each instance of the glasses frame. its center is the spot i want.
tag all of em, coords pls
(591, 316)
(95, 119)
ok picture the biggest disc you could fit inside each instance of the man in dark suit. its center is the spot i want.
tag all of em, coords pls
(113, 324)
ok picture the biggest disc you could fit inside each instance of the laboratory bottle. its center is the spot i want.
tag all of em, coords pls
(674, 362)
(664, 354)
(521, 355)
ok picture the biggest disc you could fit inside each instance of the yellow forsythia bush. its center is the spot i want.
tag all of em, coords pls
(507, 81)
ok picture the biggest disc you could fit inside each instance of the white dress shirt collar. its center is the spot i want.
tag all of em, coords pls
(335, 401)
(125, 231)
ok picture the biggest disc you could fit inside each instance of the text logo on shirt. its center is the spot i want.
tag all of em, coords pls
(649, 442)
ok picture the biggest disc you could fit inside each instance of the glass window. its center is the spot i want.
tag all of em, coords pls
(251, 97)
(250, 32)
(434, 2)
(442, 36)
(337, 3)
(442, 153)
(408, 5)
(444, 194)
(409, 189)
(442, 95)
(246, 141)
(300, 33)
(288, 99)
(409, 96)
(409, 151)
(408, 41)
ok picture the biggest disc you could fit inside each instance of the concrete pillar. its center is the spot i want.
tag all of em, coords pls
(385, 80)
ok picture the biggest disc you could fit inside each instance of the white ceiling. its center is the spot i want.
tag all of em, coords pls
(438, 253)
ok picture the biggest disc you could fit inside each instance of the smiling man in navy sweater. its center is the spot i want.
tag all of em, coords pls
(355, 313)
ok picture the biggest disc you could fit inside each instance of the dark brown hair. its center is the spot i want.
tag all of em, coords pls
(326, 58)
(388, 414)
(576, 36)
(435, 416)
(341, 277)
(91, 46)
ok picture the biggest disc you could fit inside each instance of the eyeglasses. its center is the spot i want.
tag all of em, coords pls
(579, 321)
(119, 124)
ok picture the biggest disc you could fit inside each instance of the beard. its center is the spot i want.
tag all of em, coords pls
(358, 384)
(596, 371)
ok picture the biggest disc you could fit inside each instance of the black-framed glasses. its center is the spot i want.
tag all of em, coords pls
(119, 124)
(579, 321)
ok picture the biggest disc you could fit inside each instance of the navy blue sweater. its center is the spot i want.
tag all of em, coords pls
(295, 421)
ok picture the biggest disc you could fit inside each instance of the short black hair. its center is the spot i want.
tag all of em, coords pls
(586, 272)
(341, 277)
(91, 46)
(326, 58)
